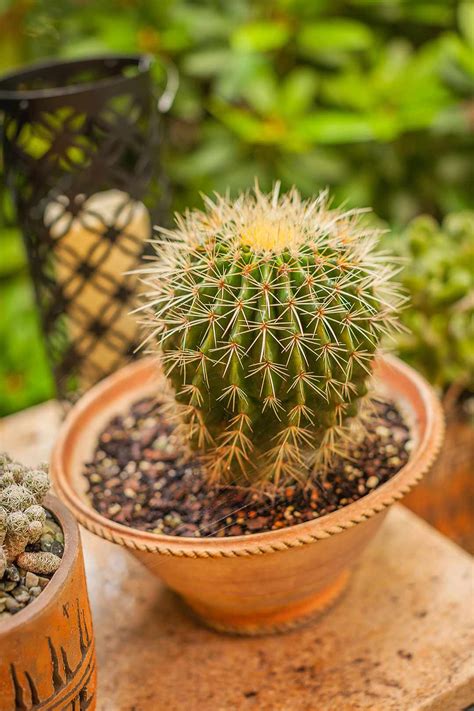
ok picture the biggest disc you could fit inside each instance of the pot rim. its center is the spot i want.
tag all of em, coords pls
(58, 581)
(418, 396)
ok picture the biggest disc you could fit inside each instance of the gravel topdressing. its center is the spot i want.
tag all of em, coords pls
(139, 478)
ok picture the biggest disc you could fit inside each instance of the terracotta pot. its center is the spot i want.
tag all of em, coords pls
(47, 655)
(444, 497)
(265, 581)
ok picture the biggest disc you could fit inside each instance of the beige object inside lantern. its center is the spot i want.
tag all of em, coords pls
(94, 250)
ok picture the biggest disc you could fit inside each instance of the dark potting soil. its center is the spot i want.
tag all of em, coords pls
(138, 478)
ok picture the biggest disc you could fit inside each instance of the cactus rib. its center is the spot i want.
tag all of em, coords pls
(266, 312)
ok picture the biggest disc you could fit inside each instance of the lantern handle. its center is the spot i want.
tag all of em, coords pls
(166, 100)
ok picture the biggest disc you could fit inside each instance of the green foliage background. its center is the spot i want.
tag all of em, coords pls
(373, 98)
(439, 276)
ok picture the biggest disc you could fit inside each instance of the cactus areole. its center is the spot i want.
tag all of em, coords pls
(267, 312)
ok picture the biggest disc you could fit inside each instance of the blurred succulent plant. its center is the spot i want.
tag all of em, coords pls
(266, 312)
(439, 276)
(22, 517)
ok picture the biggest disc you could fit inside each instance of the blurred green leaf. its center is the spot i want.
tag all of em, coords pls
(334, 34)
(212, 157)
(13, 258)
(246, 125)
(25, 378)
(260, 36)
(466, 20)
(298, 91)
(335, 127)
(84, 48)
(120, 35)
(206, 63)
(203, 23)
(235, 77)
(261, 91)
(312, 171)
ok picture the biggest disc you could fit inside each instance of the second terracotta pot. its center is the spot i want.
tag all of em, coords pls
(47, 654)
(444, 497)
(261, 582)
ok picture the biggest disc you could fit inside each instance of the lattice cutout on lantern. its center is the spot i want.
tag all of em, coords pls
(94, 251)
(88, 186)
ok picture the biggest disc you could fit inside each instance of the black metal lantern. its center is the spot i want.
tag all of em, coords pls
(81, 147)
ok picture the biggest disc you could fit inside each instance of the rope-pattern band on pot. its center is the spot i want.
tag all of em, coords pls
(257, 548)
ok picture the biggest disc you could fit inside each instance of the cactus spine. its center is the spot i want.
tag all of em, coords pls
(266, 312)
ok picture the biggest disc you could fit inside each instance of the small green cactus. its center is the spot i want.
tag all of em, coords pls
(267, 312)
(22, 517)
(439, 277)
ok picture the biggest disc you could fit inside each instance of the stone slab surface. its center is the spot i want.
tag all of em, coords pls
(401, 638)
(29, 435)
